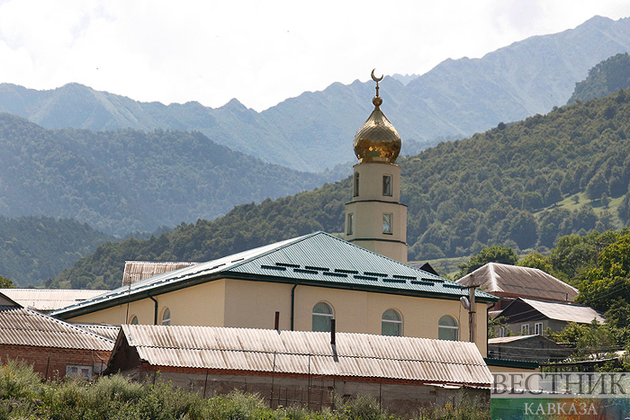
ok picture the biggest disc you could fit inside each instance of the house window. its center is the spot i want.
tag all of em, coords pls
(502, 332)
(448, 329)
(79, 371)
(133, 320)
(322, 314)
(356, 184)
(391, 323)
(387, 185)
(166, 317)
(525, 329)
(387, 223)
(349, 227)
(538, 328)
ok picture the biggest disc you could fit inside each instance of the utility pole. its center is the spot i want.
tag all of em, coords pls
(471, 309)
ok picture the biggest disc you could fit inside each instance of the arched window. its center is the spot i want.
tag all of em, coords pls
(448, 329)
(391, 323)
(166, 317)
(133, 320)
(322, 314)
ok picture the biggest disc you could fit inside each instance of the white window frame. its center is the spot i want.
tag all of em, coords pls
(538, 328)
(449, 327)
(388, 187)
(525, 329)
(388, 223)
(79, 371)
(350, 224)
(397, 322)
(330, 315)
(166, 316)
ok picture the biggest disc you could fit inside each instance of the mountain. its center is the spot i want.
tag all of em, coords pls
(33, 249)
(127, 180)
(522, 185)
(605, 78)
(311, 132)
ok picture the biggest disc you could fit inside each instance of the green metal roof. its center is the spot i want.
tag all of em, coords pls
(318, 259)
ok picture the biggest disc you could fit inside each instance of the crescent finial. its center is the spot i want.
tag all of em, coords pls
(376, 79)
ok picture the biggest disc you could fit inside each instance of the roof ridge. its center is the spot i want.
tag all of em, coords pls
(68, 324)
(290, 241)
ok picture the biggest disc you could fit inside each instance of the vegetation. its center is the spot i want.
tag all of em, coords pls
(126, 181)
(33, 249)
(606, 78)
(23, 395)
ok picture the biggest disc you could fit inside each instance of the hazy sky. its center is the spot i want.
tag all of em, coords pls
(260, 52)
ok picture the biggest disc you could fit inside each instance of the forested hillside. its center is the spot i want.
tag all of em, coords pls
(604, 79)
(523, 185)
(33, 249)
(310, 132)
(125, 181)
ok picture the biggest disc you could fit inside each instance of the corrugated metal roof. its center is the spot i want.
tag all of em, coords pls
(318, 258)
(140, 270)
(520, 281)
(565, 312)
(107, 331)
(303, 352)
(25, 327)
(49, 299)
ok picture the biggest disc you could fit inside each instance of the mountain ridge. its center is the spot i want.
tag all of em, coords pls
(311, 131)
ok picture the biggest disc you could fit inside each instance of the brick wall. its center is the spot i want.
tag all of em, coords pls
(51, 363)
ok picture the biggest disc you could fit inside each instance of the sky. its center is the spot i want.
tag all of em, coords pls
(259, 52)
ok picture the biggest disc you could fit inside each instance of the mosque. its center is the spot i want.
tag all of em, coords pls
(359, 284)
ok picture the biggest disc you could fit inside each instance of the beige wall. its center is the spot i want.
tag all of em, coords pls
(203, 304)
(252, 304)
(371, 181)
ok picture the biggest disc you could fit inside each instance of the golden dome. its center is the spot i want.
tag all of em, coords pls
(377, 140)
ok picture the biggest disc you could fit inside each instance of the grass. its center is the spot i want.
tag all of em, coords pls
(24, 396)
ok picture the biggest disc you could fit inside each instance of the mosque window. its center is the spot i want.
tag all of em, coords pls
(387, 185)
(133, 320)
(391, 323)
(166, 317)
(322, 314)
(349, 225)
(387, 223)
(356, 184)
(448, 329)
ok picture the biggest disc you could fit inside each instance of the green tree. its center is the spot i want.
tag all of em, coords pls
(6, 283)
(537, 260)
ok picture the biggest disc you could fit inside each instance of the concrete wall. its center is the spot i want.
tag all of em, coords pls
(252, 304)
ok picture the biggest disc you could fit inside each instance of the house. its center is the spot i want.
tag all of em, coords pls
(508, 282)
(46, 300)
(530, 316)
(305, 368)
(55, 348)
(308, 281)
(527, 348)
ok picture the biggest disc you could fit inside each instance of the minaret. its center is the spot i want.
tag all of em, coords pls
(375, 219)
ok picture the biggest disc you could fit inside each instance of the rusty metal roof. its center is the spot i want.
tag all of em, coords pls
(26, 327)
(140, 270)
(305, 352)
(45, 300)
(518, 281)
(316, 259)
